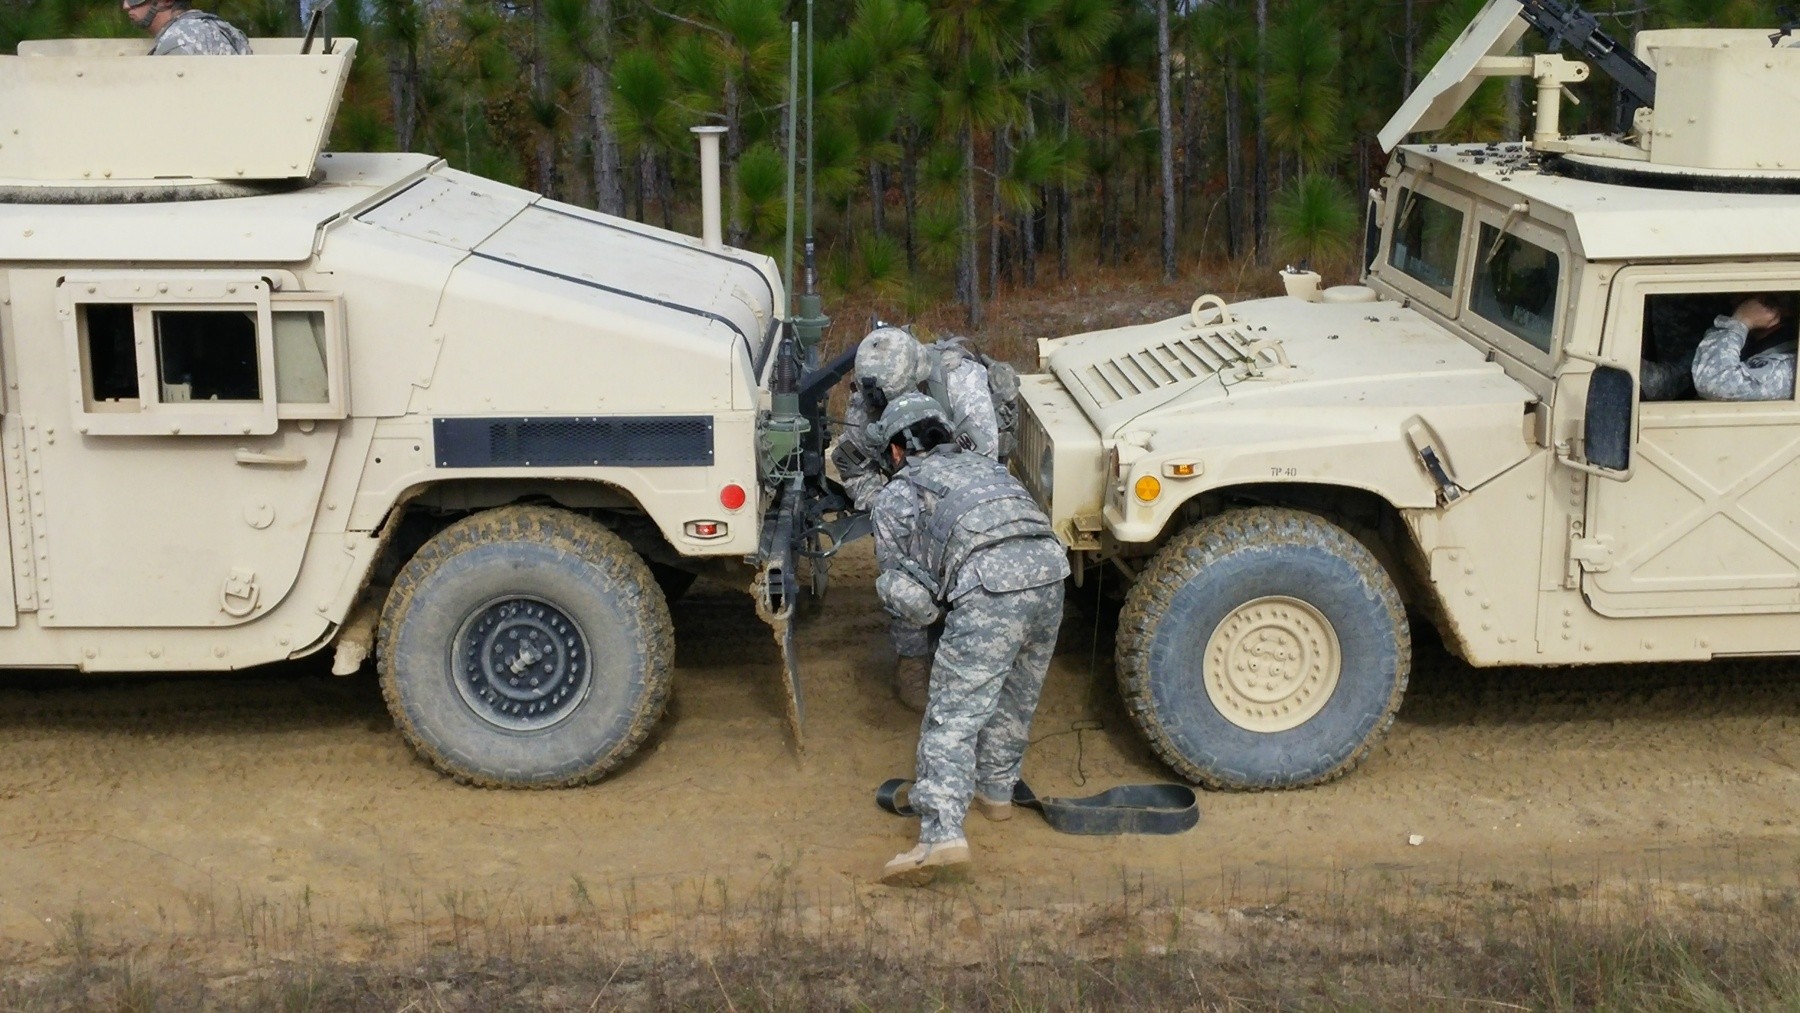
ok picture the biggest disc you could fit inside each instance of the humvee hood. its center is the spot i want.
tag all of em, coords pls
(1345, 355)
(660, 278)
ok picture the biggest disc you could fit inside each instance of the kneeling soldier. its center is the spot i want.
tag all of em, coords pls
(956, 535)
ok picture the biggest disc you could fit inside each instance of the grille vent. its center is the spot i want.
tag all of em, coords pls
(1183, 360)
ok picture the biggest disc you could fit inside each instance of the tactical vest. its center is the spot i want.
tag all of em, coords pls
(969, 503)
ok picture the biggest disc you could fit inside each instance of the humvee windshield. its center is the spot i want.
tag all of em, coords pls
(1515, 286)
(1426, 238)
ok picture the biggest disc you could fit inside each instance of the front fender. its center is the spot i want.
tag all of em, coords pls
(1376, 455)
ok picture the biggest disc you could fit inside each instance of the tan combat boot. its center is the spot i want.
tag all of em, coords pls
(923, 863)
(995, 809)
(912, 681)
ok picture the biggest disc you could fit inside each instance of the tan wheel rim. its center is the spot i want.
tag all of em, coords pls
(1272, 663)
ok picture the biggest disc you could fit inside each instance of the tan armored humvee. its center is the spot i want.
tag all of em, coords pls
(1287, 484)
(262, 401)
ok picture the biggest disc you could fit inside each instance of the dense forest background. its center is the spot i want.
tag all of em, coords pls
(961, 146)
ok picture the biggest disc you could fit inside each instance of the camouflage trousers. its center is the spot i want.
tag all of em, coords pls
(985, 681)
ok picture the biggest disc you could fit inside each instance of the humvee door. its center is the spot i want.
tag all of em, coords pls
(1708, 521)
(178, 427)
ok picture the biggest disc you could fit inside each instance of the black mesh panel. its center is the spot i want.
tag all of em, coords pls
(641, 441)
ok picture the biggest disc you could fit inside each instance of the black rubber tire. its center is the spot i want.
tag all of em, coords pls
(1199, 578)
(581, 569)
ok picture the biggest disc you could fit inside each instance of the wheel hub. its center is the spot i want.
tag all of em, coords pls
(521, 663)
(1272, 663)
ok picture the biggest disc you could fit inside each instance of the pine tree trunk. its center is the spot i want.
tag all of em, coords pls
(1406, 48)
(403, 82)
(734, 147)
(646, 185)
(1165, 120)
(1260, 199)
(540, 92)
(609, 167)
(1234, 162)
(971, 267)
(1062, 210)
(996, 221)
(877, 198)
(909, 197)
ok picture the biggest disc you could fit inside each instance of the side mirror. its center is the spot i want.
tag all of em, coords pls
(1606, 430)
(1606, 434)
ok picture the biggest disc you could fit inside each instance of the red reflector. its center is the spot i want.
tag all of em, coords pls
(732, 497)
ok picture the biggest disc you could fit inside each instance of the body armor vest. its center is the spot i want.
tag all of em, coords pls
(969, 503)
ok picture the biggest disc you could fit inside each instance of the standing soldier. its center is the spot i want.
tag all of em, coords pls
(891, 362)
(957, 536)
(182, 31)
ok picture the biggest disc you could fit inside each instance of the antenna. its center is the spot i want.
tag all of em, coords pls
(810, 322)
(793, 147)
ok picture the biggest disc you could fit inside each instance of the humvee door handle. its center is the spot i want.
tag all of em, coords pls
(257, 458)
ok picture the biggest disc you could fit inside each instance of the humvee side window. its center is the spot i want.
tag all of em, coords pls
(1426, 237)
(300, 357)
(201, 354)
(206, 355)
(108, 342)
(1516, 286)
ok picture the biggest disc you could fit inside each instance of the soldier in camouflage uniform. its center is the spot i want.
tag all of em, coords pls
(183, 31)
(890, 362)
(1722, 373)
(957, 536)
(1714, 367)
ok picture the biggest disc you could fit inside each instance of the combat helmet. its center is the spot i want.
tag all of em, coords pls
(902, 413)
(891, 360)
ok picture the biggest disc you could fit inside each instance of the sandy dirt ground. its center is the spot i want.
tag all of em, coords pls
(147, 801)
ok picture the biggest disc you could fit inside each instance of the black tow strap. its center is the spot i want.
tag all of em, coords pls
(1127, 809)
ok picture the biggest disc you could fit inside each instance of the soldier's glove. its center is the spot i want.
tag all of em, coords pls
(906, 599)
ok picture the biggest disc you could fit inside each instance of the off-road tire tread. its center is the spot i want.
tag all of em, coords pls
(579, 535)
(1194, 549)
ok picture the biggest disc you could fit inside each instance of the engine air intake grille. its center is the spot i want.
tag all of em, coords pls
(638, 441)
(1180, 361)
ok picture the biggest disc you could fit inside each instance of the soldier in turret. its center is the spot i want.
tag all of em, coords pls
(182, 31)
(890, 362)
(958, 537)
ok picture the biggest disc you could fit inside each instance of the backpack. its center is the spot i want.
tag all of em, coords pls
(1002, 383)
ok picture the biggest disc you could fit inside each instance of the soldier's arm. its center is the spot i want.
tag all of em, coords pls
(1665, 381)
(974, 406)
(895, 512)
(1721, 374)
(854, 458)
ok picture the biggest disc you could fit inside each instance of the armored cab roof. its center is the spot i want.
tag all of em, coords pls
(1615, 220)
(102, 113)
(275, 227)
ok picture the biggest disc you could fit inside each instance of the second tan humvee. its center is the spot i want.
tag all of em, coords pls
(1288, 485)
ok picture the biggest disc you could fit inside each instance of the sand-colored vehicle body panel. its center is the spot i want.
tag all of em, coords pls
(399, 332)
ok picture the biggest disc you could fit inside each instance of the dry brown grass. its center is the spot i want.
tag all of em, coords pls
(1366, 942)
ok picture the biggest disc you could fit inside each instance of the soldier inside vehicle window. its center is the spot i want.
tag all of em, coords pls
(1674, 323)
(1749, 355)
(182, 31)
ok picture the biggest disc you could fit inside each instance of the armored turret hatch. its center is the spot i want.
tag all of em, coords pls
(1716, 102)
(97, 119)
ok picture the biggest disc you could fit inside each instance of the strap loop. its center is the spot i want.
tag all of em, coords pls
(1126, 809)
